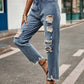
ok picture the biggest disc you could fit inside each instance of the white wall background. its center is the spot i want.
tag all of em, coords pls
(63, 15)
(15, 12)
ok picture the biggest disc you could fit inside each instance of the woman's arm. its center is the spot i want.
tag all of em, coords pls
(27, 7)
(26, 10)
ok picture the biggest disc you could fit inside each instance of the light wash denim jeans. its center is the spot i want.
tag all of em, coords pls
(46, 13)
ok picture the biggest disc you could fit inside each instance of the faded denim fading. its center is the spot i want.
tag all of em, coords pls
(46, 13)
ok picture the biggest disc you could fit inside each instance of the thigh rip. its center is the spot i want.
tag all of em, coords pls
(49, 18)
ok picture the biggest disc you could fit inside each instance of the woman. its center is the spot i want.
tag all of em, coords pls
(46, 13)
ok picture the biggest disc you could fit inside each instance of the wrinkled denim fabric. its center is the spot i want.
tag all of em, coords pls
(46, 13)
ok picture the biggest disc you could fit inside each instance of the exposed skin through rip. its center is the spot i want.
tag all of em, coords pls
(49, 29)
(49, 18)
(48, 49)
(48, 42)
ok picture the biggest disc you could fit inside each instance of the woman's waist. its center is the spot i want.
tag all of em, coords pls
(44, 0)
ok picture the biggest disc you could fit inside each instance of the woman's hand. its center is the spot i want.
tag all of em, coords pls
(24, 19)
(27, 7)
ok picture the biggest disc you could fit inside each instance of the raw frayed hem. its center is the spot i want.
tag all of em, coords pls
(55, 79)
(37, 61)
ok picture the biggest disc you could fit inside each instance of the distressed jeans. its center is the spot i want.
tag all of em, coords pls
(46, 13)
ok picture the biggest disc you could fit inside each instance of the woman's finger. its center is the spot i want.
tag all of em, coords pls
(22, 22)
(26, 22)
(25, 18)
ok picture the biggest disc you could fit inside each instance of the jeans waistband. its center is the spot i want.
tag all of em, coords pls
(44, 0)
(38, 2)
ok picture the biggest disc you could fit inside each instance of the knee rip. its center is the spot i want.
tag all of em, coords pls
(49, 18)
(50, 29)
(48, 49)
(49, 42)
(18, 33)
